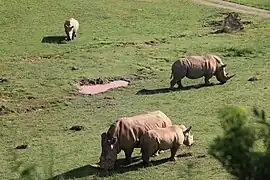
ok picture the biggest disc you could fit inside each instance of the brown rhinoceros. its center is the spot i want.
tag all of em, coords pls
(125, 133)
(194, 67)
(171, 137)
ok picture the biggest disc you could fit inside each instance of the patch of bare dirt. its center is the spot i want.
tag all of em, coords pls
(40, 58)
(33, 104)
(155, 42)
(105, 80)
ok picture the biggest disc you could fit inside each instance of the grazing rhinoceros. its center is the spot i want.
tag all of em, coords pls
(125, 133)
(194, 67)
(71, 28)
(171, 137)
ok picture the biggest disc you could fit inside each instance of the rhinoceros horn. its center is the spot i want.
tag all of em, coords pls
(229, 77)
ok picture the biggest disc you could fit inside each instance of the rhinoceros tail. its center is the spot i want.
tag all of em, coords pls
(158, 144)
(171, 75)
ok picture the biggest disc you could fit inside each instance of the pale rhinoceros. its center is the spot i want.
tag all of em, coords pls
(71, 28)
(194, 67)
(171, 137)
(125, 133)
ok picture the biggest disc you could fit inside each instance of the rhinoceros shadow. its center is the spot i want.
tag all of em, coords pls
(54, 39)
(168, 90)
(89, 170)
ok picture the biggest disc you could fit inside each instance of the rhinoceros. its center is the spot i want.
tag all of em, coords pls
(171, 137)
(125, 133)
(71, 28)
(194, 67)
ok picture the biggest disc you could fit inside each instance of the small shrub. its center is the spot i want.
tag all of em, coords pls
(235, 149)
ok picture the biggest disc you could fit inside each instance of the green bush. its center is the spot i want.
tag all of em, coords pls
(235, 149)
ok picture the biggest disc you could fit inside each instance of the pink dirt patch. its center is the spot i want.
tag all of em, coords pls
(99, 88)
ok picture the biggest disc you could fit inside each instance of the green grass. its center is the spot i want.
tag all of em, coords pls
(111, 43)
(263, 4)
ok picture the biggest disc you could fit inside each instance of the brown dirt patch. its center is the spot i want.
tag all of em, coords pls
(40, 58)
(105, 80)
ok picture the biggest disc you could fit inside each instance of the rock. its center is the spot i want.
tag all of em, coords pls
(75, 68)
(201, 156)
(3, 80)
(23, 146)
(77, 128)
(253, 78)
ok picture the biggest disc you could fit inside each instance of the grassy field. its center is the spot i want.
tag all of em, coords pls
(263, 4)
(39, 104)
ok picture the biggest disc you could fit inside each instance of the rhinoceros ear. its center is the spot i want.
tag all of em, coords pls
(103, 135)
(187, 130)
(224, 65)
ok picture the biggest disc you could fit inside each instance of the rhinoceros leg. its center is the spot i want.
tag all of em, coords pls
(128, 153)
(73, 35)
(173, 82)
(179, 83)
(145, 157)
(207, 80)
(173, 152)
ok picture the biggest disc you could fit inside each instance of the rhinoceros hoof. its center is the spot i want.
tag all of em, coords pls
(209, 84)
(146, 164)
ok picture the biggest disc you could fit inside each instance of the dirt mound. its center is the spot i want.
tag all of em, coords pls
(105, 80)
(231, 22)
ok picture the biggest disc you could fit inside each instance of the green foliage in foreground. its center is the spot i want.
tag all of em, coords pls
(236, 148)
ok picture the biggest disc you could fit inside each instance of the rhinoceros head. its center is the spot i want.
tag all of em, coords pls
(221, 74)
(109, 152)
(188, 141)
(68, 29)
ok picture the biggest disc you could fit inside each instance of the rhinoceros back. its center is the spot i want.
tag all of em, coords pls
(128, 130)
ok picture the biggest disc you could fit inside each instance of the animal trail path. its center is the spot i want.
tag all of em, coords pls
(235, 7)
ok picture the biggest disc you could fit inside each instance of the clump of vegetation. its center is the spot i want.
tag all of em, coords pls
(236, 148)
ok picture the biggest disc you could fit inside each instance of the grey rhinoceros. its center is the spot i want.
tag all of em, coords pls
(125, 133)
(71, 28)
(194, 67)
(171, 137)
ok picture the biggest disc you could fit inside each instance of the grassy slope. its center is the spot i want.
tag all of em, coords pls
(47, 83)
(263, 4)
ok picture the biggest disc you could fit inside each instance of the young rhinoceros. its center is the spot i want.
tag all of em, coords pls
(194, 67)
(171, 137)
(71, 28)
(125, 133)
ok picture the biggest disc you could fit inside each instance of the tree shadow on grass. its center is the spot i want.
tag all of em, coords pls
(54, 39)
(89, 170)
(167, 90)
